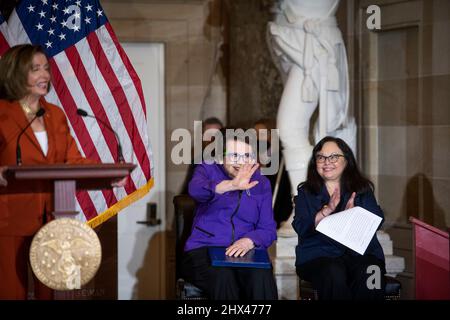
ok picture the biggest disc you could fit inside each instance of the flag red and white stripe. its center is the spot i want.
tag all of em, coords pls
(91, 71)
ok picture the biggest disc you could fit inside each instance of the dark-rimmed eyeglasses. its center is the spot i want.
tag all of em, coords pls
(237, 157)
(333, 158)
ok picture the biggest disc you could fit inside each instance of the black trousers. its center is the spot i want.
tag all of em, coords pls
(223, 283)
(347, 277)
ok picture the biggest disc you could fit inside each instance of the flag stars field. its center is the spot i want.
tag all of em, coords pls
(90, 70)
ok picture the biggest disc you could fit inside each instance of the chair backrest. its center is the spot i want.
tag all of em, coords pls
(184, 215)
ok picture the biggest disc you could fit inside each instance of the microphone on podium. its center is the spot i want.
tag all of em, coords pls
(38, 114)
(83, 113)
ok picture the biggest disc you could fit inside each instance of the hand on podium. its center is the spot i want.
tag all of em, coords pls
(119, 183)
(3, 182)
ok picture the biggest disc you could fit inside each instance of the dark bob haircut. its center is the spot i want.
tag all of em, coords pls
(352, 179)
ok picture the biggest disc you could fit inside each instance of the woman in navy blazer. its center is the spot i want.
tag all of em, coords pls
(334, 183)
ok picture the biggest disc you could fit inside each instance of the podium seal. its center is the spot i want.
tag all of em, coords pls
(65, 254)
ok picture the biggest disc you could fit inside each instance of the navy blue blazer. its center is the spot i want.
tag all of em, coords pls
(313, 244)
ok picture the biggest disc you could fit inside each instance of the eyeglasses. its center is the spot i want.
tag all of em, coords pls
(236, 157)
(332, 158)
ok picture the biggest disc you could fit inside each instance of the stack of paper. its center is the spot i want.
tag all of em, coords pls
(354, 228)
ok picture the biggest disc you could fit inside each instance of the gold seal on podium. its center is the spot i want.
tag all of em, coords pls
(65, 254)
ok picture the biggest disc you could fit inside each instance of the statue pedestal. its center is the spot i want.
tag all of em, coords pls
(394, 264)
(286, 230)
(284, 268)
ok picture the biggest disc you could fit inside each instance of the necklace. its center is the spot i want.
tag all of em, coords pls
(26, 108)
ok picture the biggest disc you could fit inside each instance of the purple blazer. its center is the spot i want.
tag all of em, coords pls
(217, 222)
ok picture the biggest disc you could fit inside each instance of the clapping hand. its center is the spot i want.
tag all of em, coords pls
(240, 247)
(351, 202)
(333, 203)
(334, 199)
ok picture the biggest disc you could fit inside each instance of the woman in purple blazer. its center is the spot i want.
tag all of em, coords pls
(234, 210)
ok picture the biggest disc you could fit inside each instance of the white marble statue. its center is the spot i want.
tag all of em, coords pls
(308, 49)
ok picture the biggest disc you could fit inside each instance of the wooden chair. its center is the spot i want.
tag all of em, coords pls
(184, 216)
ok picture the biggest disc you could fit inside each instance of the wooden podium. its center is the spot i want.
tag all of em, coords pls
(64, 180)
(432, 263)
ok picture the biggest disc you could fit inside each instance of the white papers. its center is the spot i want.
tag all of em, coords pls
(354, 228)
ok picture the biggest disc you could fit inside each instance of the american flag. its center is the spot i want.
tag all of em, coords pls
(3, 35)
(91, 71)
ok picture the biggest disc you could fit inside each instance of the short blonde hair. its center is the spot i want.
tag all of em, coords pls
(15, 65)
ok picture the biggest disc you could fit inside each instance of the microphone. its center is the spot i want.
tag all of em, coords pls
(83, 113)
(38, 114)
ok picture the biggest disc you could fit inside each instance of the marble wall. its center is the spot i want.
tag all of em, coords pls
(405, 105)
(254, 82)
(402, 87)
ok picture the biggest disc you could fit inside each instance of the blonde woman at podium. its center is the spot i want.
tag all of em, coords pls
(24, 81)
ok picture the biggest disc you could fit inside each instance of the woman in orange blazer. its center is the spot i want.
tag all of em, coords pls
(24, 81)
